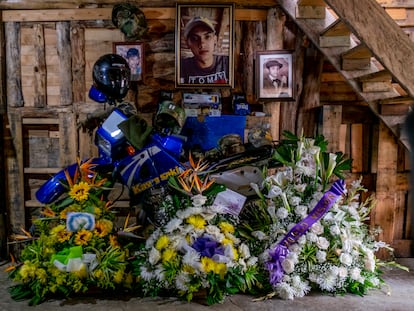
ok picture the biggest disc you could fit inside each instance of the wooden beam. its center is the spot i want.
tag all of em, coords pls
(54, 15)
(393, 49)
(75, 4)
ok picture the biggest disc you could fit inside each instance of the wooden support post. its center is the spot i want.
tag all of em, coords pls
(65, 62)
(68, 138)
(15, 179)
(276, 20)
(14, 77)
(384, 213)
(40, 75)
(332, 118)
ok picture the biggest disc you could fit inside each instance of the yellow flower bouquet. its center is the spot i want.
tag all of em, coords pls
(75, 246)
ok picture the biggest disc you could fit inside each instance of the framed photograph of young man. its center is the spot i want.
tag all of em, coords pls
(133, 52)
(274, 75)
(204, 46)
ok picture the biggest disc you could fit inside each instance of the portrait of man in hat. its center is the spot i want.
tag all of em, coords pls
(275, 74)
(273, 78)
(201, 61)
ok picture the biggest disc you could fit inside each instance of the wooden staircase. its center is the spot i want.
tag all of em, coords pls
(367, 47)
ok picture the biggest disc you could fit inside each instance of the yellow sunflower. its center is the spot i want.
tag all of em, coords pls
(80, 191)
(103, 227)
(82, 237)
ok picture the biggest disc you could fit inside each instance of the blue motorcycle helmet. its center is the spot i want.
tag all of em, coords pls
(111, 76)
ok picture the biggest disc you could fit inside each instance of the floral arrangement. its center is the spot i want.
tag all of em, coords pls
(74, 247)
(335, 254)
(306, 230)
(196, 253)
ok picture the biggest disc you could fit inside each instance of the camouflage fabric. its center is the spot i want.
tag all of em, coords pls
(130, 20)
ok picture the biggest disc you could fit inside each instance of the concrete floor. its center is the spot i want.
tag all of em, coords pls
(398, 297)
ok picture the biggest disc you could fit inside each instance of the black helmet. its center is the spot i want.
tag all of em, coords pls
(111, 74)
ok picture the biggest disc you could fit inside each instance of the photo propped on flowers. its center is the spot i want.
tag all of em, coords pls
(133, 52)
(274, 75)
(204, 45)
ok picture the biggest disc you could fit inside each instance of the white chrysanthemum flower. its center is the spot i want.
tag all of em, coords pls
(182, 280)
(216, 209)
(288, 266)
(321, 256)
(355, 274)
(282, 213)
(345, 259)
(285, 291)
(212, 230)
(175, 242)
(146, 274)
(192, 258)
(152, 239)
(154, 256)
(327, 282)
(198, 200)
(173, 225)
(342, 272)
(322, 243)
(185, 213)
(159, 274)
(260, 235)
(301, 286)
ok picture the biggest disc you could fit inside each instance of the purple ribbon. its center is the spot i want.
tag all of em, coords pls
(279, 253)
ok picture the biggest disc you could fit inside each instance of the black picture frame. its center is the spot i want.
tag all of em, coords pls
(219, 18)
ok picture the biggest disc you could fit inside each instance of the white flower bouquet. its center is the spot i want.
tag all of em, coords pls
(195, 253)
(307, 237)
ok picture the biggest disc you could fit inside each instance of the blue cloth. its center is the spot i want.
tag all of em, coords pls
(205, 134)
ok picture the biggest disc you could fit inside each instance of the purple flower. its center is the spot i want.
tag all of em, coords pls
(274, 265)
(208, 247)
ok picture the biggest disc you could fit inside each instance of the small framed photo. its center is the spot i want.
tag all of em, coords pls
(274, 75)
(133, 52)
(204, 45)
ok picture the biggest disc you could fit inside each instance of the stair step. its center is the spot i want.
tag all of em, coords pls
(311, 9)
(337, 34)
(356, 58)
